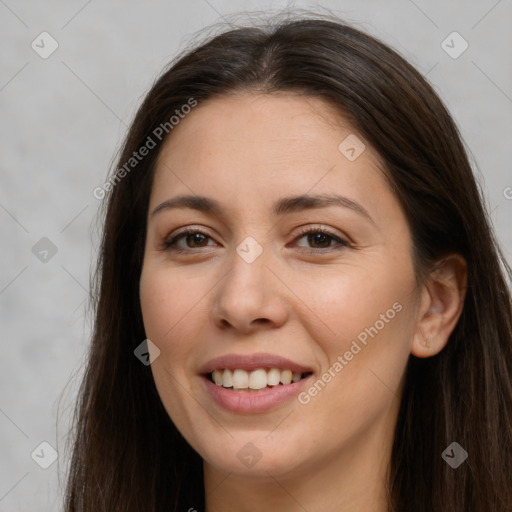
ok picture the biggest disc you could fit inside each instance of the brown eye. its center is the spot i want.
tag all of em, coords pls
(318, 239)
(188, 240)
(196, 240)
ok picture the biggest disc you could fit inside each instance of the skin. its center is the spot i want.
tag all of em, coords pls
(299, 299)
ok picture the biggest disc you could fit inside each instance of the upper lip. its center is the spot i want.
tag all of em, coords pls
(252, 362)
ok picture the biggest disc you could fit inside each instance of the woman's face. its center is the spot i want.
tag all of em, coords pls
(298, 265)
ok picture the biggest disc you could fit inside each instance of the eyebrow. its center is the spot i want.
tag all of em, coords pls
(282, 206)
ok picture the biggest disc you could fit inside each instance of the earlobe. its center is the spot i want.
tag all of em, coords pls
(440, 306)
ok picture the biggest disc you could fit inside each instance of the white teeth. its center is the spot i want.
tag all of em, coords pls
(217, 377)
(286, 376)
(240, 379)
(273, 377)
(257, 379)
(227, 379)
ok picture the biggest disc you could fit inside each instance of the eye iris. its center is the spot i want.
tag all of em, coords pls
(196, 239)
(319, 239)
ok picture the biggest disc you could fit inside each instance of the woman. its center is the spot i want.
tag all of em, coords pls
(300, 303)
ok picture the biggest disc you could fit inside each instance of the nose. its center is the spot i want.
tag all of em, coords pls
(250, 297)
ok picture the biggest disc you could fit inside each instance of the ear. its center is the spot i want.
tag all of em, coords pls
(440, 306)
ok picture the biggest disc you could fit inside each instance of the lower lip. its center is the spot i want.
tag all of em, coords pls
(253, 402)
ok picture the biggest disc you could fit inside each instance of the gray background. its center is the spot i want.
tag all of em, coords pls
(62, 118)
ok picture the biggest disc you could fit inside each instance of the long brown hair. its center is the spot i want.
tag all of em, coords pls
(127, 453)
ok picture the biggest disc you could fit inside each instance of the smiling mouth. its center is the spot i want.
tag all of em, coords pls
(254, 381)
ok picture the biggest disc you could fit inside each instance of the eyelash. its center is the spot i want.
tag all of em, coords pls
(170, 244)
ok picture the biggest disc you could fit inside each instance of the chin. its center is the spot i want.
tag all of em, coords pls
(254, 455)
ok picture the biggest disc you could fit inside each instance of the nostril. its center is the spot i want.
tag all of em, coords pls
(261, 321)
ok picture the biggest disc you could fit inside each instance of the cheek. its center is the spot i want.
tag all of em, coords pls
(361, 321)
(173, 312)
(166, 300)
(168, 305)
(367, 317)
(340, 303)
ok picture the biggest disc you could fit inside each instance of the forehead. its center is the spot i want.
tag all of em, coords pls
(255, 145)
(241, 123)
